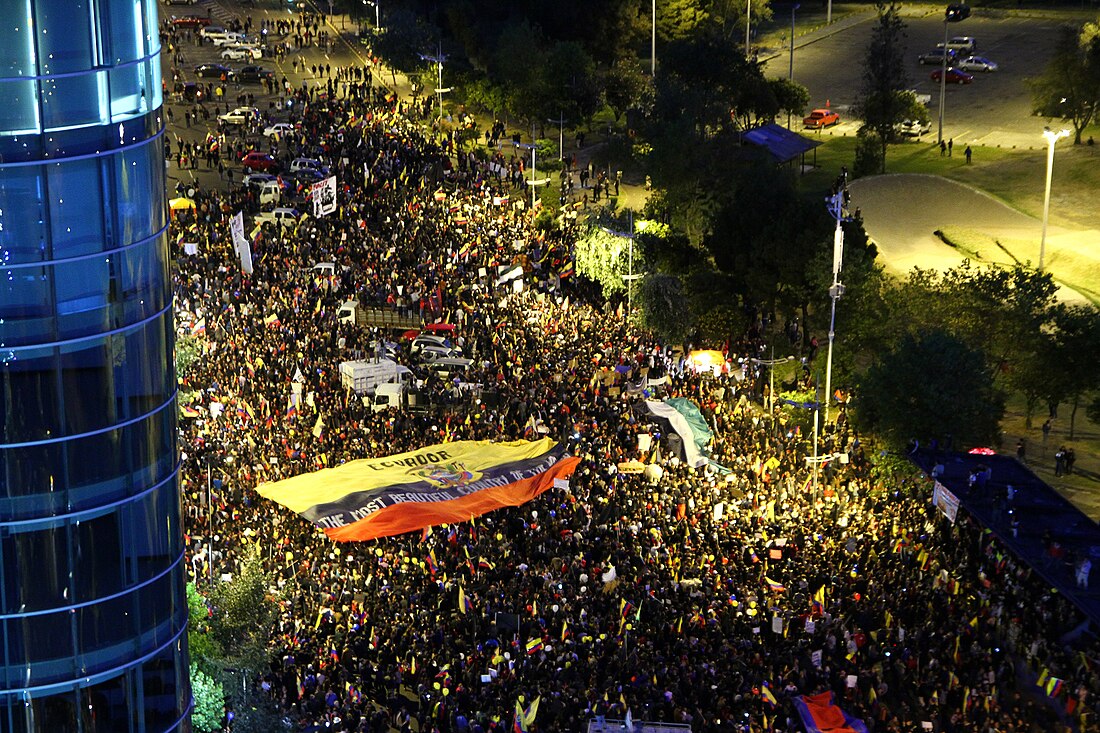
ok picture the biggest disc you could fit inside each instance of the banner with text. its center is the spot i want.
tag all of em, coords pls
(438, 484)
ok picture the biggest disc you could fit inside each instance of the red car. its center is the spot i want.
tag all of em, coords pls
(257, 161)
(954, 76)
(821, 118)
(191, 21)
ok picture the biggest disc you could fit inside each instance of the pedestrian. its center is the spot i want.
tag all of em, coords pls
(1083, 569)
(967, 153)
(943, 148)
(1021, 449)
(1060, 461)
(950, 144)
(1046, 431)
(1070, 457)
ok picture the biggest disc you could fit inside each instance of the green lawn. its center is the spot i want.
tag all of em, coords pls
(1013, 176)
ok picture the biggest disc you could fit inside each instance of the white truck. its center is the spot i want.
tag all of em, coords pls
(365, 377)
(399, 397)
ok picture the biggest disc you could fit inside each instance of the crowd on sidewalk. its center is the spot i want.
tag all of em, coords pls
(706, 595)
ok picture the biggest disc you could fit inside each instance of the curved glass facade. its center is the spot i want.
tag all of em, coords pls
(92, 608)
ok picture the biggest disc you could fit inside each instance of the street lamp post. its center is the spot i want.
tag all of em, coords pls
(948, 17)
(630, 277)
(438, 60)
(377, 12)
(790, 67)
(748, 25)
(771, 363)
(836, 209)
(1051, 138)
(560, 122)
(653, 44)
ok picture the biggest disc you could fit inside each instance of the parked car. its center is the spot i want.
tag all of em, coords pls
(212, 30)
(256, 180)
(229, 39)
(963, 44)
(299, 163)
(254, 73)
(957, 12)
(279, 128)
(192, 92)
(821, 118)
(216, 71)
(954, 76)
(305, 176)
(935, 56)
(242, 53)
(180, 2)
(914, 128)
(254, 160)
(191, 21)
(239, 116)
(976, 63)
(281, 217)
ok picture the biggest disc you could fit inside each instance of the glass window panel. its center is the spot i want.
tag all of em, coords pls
(25, 306)
(17, 50)
(107, 634)
(161, 681)
(142, 373)
(32, 471)
(29, 386)
(22, 216)
(83, 292)
(129, 87)
(106, 706)
(98, 468)
(56, 712)
(86, 377)
(47, 641)
(97, 557)
(152, 532)
(72, 101)
(139, 180)
(153, 446)
(19, 113)
(144, 280)
(76, 206)
(127, 31)
(36, 567)
(64, 36)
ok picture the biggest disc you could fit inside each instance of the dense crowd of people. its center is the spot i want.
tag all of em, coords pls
(707, 596)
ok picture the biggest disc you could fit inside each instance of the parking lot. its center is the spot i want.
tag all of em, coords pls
(993, 110)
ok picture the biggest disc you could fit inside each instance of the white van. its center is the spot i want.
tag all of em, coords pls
(270, 193)
(964, 45)
(449, 367)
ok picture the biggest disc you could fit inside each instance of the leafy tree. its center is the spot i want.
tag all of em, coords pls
(401, 40)
(869, 156)
(570, 83)
(728, 16)
(604, 258)
(663, 307)
(242, 617)
(883, 101)
(626, 86)
(188, 351)
(927, 387)
(207, 715)
(205, 652)
(1071, 372)
(1069, 87)
(791, 97)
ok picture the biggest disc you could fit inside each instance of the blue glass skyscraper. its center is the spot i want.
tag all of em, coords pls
(92, 608)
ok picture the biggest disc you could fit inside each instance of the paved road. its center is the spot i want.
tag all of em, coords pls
(994, 110)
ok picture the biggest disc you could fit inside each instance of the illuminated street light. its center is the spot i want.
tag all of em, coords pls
(951, 15)
(1052, 138)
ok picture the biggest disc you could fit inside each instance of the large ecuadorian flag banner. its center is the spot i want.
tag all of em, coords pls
(439, 484)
